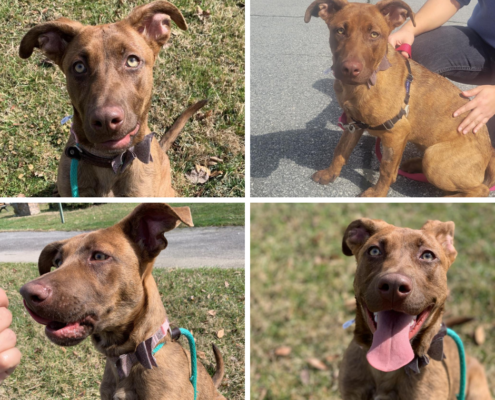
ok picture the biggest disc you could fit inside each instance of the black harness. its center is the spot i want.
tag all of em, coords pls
(388, 125)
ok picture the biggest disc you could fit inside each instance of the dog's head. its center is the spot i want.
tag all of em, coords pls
(358, 34)
(400, 287)
(109, 71)
(100, 279)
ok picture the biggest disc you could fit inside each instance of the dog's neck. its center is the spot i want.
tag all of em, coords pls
(148, 318)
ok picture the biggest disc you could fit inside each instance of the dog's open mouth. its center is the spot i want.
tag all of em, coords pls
(121, 143)
(392, 334)
(65, 333)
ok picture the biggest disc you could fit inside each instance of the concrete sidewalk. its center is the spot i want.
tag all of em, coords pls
(187, 247)
(294, 110)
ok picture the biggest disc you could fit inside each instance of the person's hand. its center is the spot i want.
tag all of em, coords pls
(482, 108)
(400, 37)
(10, 356)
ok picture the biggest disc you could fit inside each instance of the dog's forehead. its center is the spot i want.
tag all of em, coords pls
(109, 39)
(397, 237)
(101, 239)
(359, 16)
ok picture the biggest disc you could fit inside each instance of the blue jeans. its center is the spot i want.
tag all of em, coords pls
(460, 54)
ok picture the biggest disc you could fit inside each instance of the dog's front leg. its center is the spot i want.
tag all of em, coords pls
(341, 154)
(394, 143)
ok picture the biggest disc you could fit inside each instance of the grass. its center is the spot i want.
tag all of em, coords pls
(48, 371)
(205, 62)
(301, 283)
(105, 215)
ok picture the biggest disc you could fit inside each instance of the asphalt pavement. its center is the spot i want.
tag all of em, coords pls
(294, 110)
(221, 247)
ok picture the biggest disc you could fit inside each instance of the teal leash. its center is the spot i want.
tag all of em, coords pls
(73, 176)
(462, 358)
(194, 362)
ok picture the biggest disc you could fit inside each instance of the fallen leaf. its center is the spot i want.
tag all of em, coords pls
(217, 159)
(350, 304)
(479, 335)
(283, 351)
(304, 375)
(317, 364)
(226, 284)
(331, 357)
(201, 354)
(214, 174)
(199, 174)
(212, 313)
(220, 333)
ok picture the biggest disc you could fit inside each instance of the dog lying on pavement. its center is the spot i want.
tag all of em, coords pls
(109, 71)
(398, 350)
(398, 101)
(102, 287)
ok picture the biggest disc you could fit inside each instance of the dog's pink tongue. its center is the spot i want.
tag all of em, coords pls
(391, 348)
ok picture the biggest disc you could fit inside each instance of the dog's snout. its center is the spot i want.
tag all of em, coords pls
(352, 68)
(394, 287)
(35, 293)
(108, 118)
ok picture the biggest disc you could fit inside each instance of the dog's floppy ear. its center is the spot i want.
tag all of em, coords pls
(324, 9)
(47, 257)
(51, 38)
(153, 22)
(444, 233)
(149, 221)
(358, 232)
(395, 12)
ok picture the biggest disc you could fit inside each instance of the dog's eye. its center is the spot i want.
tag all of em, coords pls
(374, 35)
(57, 263)
(340, 31)
(132, 61)
(79, 67)
(427, 256)
(374, 251)
(99, 256)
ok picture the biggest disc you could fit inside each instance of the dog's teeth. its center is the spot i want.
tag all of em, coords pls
(412, 322)
(375, 317)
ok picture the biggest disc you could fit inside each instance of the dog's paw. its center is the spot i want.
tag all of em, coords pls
(372, 192)
(324, 177)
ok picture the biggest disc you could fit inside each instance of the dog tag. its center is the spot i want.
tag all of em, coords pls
(348, 323)
(66, 119)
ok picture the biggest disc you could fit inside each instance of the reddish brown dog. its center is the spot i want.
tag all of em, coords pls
(401, 289)
(109, 71)
(102, 287)
(371, 92)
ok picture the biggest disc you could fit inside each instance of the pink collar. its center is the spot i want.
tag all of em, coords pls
(143, 354)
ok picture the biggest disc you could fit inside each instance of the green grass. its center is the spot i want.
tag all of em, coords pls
(301, 281)
(105, 215)
(51, 372)
(207, 61)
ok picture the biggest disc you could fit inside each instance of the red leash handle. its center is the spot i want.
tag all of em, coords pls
(404, 47)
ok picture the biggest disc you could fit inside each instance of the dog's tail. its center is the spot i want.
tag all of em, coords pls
(217, 378)
(170, 136)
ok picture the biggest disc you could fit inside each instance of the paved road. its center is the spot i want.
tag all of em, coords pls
(294, 110)
(187, 247)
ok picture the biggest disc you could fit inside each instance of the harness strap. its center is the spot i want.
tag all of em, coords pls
(388, 125)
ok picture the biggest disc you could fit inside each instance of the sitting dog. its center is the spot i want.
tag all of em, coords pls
(399, 350)
(398, 101)
(102, 287)
(109, 71)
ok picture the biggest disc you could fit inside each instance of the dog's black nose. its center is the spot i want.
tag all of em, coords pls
(394, 288)
(352, 68)
(35, 293)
